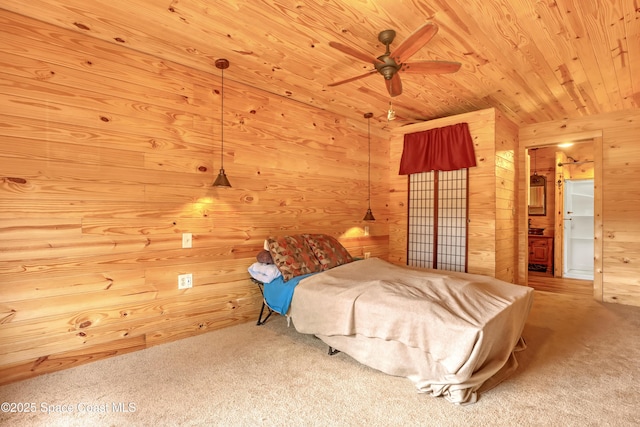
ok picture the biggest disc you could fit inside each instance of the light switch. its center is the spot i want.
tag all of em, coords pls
(186, 240)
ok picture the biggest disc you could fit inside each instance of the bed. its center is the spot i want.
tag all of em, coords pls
(452, 334)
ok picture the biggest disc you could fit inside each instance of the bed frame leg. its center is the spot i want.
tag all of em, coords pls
(264, 304)
(333, 351)
(260, 319)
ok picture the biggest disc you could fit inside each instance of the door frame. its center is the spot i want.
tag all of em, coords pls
(524, 172)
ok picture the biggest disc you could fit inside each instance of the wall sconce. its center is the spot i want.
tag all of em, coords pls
(369, 215)
(222, 180)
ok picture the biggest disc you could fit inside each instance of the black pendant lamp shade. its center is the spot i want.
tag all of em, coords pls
(222, 180)
(369, 215)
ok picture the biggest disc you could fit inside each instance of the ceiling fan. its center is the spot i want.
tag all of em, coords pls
(391, 63)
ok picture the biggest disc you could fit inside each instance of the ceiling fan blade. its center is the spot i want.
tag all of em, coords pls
(414, 42)
(355, 53)
(368, 73)
(394, 86)
(431, 67)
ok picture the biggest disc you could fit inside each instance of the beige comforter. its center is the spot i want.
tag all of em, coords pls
(448, 332)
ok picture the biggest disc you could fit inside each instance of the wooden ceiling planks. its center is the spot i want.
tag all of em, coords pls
(535, 61)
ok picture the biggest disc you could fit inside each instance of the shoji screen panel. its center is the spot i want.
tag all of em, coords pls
(437, 229)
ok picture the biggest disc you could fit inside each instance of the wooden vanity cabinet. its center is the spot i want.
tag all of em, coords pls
(541, 253)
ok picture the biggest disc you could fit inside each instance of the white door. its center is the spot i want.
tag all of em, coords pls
(578, 229)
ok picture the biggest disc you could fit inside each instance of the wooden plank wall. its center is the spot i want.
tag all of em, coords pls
(617, 161)
(492, 193)
(107, 156)
(507, 194)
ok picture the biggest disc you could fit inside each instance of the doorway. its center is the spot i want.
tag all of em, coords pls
(581, 161)
(578, 229)
(561, 163)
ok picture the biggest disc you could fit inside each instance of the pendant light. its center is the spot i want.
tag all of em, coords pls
(536, 180)
(222, 180)
(369, 215)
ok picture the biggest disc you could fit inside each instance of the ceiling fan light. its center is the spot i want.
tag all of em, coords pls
(391, 114)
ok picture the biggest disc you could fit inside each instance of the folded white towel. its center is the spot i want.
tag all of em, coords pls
(264, 273)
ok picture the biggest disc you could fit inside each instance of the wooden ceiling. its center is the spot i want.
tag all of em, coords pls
(536, 60)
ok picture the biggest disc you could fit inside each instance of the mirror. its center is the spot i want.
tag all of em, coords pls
(537, 195)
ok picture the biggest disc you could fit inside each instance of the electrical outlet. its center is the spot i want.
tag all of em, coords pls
(367, 255)
(186, 240)
(366, 230)
(185, 281)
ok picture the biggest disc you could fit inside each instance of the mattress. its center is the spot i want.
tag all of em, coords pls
(449, 333)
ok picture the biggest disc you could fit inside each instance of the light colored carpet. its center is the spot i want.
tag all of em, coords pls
(581, 368)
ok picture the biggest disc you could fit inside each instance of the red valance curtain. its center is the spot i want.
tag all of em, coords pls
(447, 148)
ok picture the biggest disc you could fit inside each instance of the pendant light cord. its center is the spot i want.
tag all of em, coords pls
(369, 216)
(222, 121)
(369, 168)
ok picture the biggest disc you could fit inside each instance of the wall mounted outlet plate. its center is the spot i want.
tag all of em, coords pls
(185, 281)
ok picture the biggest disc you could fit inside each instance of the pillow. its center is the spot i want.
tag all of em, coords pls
(328, 250)
(293, 256)
(264, 273)
(264, 257)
